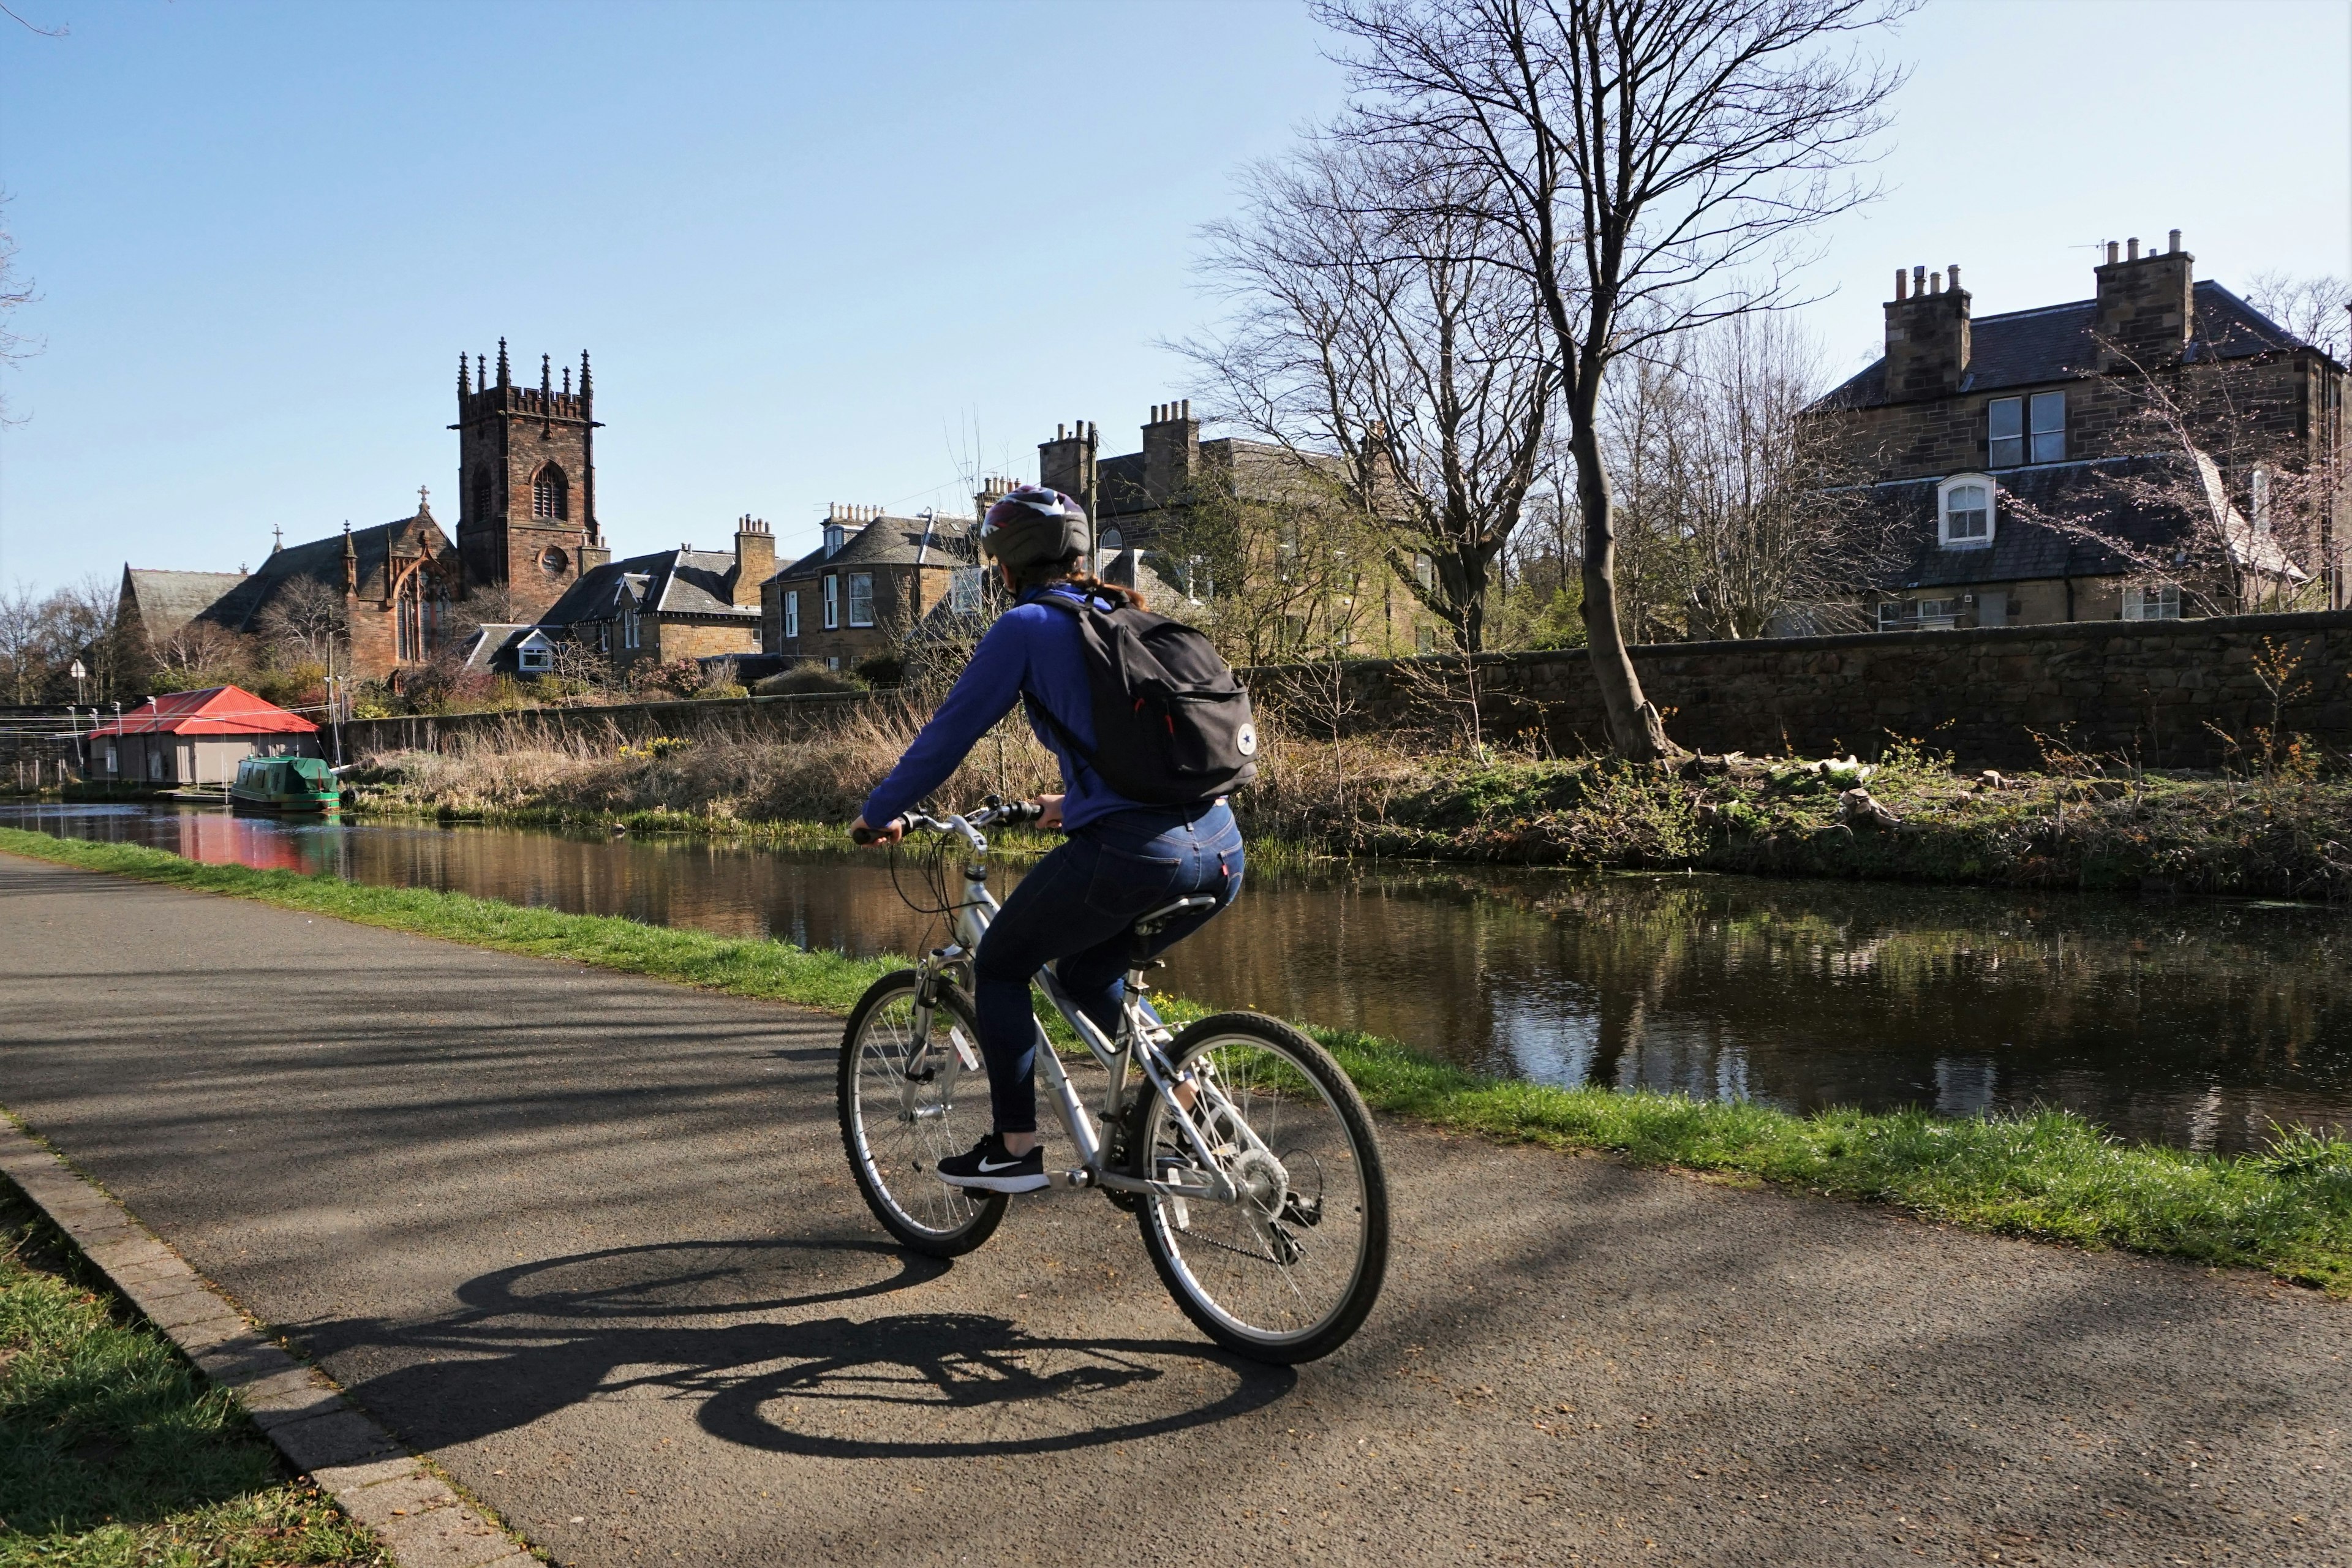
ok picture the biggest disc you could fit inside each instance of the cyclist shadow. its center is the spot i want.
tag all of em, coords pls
(728, 1324)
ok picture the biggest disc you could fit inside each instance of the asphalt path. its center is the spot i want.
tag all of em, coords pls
(590, 1241)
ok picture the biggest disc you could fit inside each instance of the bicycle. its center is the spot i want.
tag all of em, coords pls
(1246, 1155)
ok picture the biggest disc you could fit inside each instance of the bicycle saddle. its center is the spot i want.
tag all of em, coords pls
(1157, 921)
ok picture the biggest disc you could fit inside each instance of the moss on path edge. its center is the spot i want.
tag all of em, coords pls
(2049, 1176)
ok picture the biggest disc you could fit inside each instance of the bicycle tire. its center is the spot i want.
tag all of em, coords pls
(1169, 1231)
(920, 1210)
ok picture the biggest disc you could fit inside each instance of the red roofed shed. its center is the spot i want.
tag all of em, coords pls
(197, 737)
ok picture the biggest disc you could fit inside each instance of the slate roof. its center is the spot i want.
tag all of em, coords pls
(670, 582)
(2055, 342)
(2054, 520)
(167, 601)
(214, 710)
(322, 561)
(492, 645)
(892, 542)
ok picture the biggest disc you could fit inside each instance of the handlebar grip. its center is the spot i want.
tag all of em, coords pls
(1022, 811)
(861, 835)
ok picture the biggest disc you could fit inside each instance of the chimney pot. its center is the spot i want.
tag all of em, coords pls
(2114, 252)
(1188, 408)
(1953, 272)
(1902, 284)
(2131, 248)
(2172, 243)
(1935, 282)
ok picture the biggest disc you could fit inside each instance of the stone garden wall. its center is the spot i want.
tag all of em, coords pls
(2153, 691)
(2158, 691)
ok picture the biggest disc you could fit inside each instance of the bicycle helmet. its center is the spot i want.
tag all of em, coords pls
(1031, 526)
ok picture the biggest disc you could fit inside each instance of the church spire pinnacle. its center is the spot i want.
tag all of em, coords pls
(464, 386)
(505, 379)
(583, 376)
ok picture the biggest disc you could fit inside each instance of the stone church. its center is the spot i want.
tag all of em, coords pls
(526, 531)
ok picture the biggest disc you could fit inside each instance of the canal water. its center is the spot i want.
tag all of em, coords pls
(2198, 1022)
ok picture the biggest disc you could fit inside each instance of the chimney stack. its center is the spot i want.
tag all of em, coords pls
(1067, 463)
(2145, 310)
(1927, 337)
(755, 559)
(1171, 449)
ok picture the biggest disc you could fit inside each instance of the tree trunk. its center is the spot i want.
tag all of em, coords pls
(1635, 730)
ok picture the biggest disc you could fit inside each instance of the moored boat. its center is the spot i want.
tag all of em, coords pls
(285, 783)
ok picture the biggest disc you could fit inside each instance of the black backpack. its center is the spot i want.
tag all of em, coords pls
(1172, 725)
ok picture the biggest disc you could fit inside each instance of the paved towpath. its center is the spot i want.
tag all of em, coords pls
(589, 1240)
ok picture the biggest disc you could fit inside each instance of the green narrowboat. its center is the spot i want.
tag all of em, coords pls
(285, 783)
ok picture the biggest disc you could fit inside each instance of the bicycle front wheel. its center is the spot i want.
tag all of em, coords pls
(1289, 1269)
(902, 1112)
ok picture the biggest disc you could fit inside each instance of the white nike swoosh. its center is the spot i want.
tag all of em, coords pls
(987, 1169)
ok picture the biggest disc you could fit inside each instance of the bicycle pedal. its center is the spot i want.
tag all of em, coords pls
(1081, 1177)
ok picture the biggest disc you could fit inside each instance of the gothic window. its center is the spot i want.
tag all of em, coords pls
(482, 493)
(551, 495)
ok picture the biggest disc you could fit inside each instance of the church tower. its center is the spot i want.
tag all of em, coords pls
(526, 482)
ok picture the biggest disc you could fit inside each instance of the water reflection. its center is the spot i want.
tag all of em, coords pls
(2198, 1023)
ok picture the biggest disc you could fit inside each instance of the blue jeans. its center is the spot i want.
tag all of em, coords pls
(1075, 911)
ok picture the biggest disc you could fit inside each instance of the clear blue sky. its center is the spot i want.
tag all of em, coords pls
(814, 249)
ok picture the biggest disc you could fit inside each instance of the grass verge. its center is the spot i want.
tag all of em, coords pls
(114, 1451)
(2051, 1175)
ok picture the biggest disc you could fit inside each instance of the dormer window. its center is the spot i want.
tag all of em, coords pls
(835, 536)
(1964, 513)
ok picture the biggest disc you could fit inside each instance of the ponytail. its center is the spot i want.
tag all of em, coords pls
(1066, 574)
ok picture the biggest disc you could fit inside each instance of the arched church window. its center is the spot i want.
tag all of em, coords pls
(550, 495)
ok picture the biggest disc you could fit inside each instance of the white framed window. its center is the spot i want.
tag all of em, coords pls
(835, 536)
(963, 590)
(792, 612)
(831, 603)
(1112, 542)
(861, 598)
(603, 636)
(1919, 615)
(2258, 500)
(1424, 571)
(2020, 430)
(534, 656)
(2161, 603)
(628, 628)
(833, 661)
(1964, 513)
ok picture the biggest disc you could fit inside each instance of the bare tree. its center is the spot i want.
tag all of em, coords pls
(1655, 164)
(2316, 309)
(15, 293)
(196, 653)
(1771, 517)
(1380, 342)
(307, 619)
(1282, 565)
(2227, 519)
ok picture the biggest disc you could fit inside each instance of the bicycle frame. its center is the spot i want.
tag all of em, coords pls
(1136, 1048)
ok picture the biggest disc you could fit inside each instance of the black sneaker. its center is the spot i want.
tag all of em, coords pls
(989, 1168)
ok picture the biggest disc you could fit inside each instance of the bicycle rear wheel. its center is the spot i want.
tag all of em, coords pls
(1287, 1271)
(895, 1129)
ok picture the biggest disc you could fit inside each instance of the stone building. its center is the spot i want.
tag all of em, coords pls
(871, 579)
(673, 604)
(2009, 457)
(527, 483)
(526, 531)
(1161, 501)
(391, 585)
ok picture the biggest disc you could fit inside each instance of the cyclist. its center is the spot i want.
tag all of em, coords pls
(1121, 860)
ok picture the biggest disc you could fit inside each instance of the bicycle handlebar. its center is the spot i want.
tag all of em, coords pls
(988, 815)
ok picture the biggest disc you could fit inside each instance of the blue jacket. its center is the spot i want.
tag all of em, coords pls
(1033, 648)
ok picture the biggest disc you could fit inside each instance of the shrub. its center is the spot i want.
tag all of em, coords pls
(807, 679)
